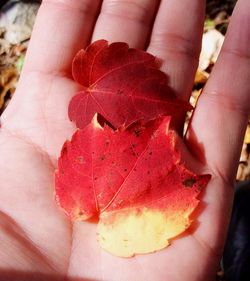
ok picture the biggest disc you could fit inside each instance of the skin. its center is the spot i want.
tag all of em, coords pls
(37, 241)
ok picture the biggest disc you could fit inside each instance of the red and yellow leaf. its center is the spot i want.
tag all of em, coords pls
(123, 85)
(133, 180)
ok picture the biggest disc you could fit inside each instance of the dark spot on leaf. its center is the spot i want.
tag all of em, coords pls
(80, 159)
(120, 202)
(189, 182)
(150, 153)
(119, 92)
(95, 178)
(133, 145)
(137, 132)
(125, 170)
(200, 187)
(102, 157)
(148, 172)
(148, 187)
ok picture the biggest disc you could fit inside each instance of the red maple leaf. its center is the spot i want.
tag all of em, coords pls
(123, 85)
(133, 180)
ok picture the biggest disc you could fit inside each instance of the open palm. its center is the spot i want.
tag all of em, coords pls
(37, 241)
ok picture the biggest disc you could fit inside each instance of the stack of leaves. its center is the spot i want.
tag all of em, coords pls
(127, 173)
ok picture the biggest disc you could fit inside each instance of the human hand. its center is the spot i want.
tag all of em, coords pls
(37, 241)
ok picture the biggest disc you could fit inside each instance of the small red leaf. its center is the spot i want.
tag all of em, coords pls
(122, 84)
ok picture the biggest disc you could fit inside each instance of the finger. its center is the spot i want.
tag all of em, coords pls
(61, 29)
(129, 21)
(221, 115)
(218, 126)
(176, 39)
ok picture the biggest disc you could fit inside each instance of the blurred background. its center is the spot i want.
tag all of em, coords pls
(16, 21)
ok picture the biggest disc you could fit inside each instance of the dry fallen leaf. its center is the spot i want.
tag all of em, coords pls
(212, 42)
